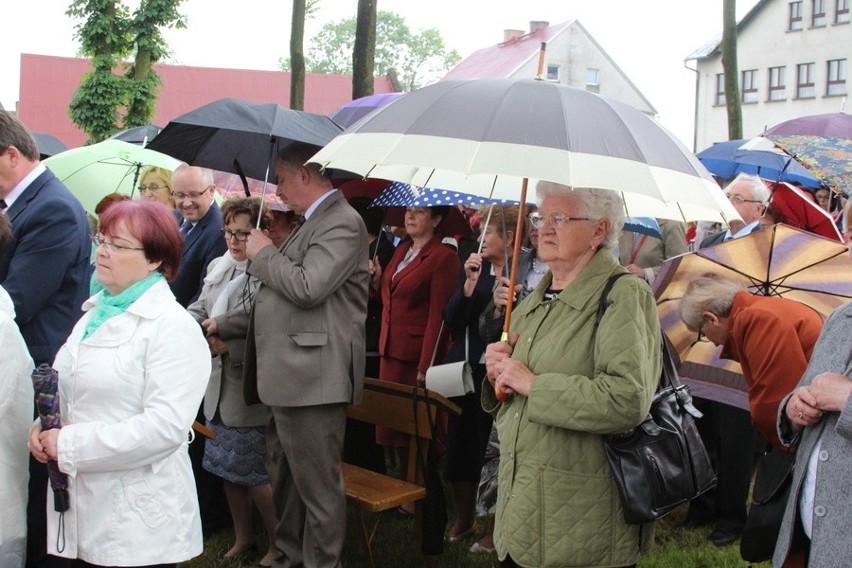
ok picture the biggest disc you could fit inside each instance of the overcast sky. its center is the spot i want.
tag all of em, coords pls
(648, 40)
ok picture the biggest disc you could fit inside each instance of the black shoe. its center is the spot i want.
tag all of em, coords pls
(723, 538)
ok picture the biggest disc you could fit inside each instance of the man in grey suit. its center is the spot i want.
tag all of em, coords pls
(305, 356)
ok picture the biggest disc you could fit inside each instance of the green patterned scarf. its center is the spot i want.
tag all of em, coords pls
(110, 306)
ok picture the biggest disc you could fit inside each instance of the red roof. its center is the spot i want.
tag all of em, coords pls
(47, 84)
(502, 60)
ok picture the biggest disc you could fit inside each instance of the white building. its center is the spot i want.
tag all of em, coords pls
(792, 57)
(572, 57)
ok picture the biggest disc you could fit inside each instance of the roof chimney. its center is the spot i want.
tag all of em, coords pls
(509, 35)
(536, 25)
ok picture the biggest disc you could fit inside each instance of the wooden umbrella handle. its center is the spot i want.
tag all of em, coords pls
(203, 430)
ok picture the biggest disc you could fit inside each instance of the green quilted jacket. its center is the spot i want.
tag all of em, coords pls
(558, 504)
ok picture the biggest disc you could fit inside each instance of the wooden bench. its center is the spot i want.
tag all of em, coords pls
(392, 406)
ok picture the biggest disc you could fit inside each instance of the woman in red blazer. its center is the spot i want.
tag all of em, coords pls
(415, 287)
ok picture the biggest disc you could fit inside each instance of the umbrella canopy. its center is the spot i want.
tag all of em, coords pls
(836, 125)
(46, 384)
(237, 136)
(140, 135)
(483, 136)
(91, 172)
(348, 114)
(776, 261)
(829, 158)
(799, 210)
(727, 159)
(48, 145)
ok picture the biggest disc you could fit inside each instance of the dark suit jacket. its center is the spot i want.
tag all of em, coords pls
(413, 301)
(462, 316)
(203, 243)
(719, 238)
(305, 344)
(381, 248)
(46, 268)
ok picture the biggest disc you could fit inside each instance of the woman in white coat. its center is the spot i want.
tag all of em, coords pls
(16, 413)
(131, 378)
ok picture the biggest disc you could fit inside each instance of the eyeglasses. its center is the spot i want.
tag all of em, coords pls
(239, 235)
(152, 187)
(737, 199)
(99, 241)
(558, 220)
(180, 196)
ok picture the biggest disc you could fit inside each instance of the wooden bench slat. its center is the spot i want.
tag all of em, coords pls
(375, 492)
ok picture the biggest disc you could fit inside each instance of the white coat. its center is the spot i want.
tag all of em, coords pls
(16, 417)
(129, 394)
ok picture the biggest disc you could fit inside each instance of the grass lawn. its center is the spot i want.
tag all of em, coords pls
(397, 546)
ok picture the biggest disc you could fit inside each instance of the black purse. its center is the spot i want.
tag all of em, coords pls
(772, 483)
(662, 463)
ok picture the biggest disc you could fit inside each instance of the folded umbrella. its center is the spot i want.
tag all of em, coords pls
(45, 385)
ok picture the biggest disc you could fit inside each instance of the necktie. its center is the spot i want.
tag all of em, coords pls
(185, 229)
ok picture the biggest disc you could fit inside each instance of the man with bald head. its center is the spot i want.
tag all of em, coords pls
(202, 230)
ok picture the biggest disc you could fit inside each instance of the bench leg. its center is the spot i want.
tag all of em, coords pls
(368, 535)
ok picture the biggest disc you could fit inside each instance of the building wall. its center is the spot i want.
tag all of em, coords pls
(764, 42)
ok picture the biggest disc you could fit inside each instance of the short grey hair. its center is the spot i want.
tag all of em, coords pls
(206, 173)
(593, 203)
(709, 293)
(759, 190)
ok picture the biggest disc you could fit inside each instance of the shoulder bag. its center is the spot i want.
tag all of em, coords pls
(450, 379)
(662, 463)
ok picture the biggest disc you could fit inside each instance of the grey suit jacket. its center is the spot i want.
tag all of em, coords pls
(831, 544)
(306, 335)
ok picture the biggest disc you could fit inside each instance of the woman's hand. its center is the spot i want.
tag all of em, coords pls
(49, 440)
(210, 326)
(501, 294)
(802, 409)
(472, 270)
(514, 376)
(375, 274)
(830, 391)
(34, 444)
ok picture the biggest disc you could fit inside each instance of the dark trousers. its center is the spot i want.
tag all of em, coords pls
(359, 445)
(37, 556)
(732, 441)
(209, 487)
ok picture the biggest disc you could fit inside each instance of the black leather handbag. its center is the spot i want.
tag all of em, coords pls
(772, 482)
(662, 463)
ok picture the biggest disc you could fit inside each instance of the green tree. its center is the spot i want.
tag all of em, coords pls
(420, 58)
(109, 34)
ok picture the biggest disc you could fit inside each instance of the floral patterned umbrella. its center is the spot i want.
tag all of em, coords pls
(827, 157)
(45, 385)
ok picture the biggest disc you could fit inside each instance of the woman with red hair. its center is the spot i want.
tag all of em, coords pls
(131, 378)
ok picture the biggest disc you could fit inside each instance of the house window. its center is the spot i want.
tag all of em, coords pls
(795, 16)
(836, 77)
(552, 72)
(777, 84)
(720, 89)
(841, 11)
(593, 79)
(818, 16)
(805, 88)
(750, 86)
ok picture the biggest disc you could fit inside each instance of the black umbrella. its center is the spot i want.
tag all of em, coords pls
(48, 145)
(236, 136)
(140, 135)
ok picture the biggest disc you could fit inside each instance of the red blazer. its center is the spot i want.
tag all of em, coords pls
(413, 302)
(772, 338)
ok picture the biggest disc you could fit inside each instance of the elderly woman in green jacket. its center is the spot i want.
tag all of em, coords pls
(559, 385)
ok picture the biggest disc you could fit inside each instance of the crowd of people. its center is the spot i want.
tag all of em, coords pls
(206, 355)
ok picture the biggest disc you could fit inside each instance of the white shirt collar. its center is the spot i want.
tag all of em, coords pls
(315, 204)
(742, 232)
(24, 184)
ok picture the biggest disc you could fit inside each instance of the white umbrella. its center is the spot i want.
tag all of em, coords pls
(92, 172)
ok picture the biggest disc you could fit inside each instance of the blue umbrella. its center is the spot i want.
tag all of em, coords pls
(727, 159)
